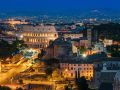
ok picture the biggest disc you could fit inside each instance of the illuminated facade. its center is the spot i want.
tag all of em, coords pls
(72, 35)
(38, 36)
(14, 22)
(107, 42)
(99, 47)
(70, 70)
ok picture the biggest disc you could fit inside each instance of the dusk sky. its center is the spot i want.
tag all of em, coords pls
(54, 5)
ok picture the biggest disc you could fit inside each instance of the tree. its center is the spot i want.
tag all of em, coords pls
(4, 88)
(56, 75)
(19, 88)
(116, 54)
(51, 62)
(4, 49)
(20, 81)
(66, 88)
(114, 50)
(82, 83)
(40, 55)
(17, 46)
(10, 49)
(52, 68)
(82, 49)
(108, 31)
(48, 71)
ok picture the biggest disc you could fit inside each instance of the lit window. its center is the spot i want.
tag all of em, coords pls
(52, 35)
(46, 35)
(43, 34)
(39, 34)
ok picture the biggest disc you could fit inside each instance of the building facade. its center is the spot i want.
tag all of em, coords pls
(73, 35)
(14, 22)
(116, 84)
(60, 48)
(107, 42)
(105, 70)
(69, 70)
(38, 36)
(99, 47)
(89, 37)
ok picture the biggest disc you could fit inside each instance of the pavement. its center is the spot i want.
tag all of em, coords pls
(21, 66)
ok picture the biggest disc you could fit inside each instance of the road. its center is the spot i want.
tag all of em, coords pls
(38, 82)
(50, 83)
(13, 72)
(21, 66)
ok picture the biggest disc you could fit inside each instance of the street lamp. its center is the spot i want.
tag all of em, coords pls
(65, 73)
(66, 70)
(84, 55)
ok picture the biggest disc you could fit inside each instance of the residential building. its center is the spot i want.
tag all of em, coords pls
(89, 37)
(14, 22)
(77, 43)
(107, 42)
(99, 47)
(72, 68)
(73, 35)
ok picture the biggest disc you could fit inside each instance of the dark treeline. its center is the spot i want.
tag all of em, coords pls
(108, 31)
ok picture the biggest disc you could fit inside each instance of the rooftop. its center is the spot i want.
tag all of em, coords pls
(39, 28)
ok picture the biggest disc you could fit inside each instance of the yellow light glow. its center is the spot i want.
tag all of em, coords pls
(66, 70)
(84, 55)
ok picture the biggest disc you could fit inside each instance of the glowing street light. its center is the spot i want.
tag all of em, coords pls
(66, 70)
(21, 36)
(84, 55)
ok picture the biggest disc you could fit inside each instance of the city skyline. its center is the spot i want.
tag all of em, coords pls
(59, 45)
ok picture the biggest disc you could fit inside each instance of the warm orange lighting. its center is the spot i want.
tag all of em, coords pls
(66, 70)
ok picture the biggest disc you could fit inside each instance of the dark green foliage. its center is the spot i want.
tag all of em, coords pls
(82, 84)
(48, 71)
(20, 81)
(82, 49)
(116, 54)
(4, 48)
(109, 31)
(51, 65)
(40, 55)
(19, 89)
(114, 50)
(51, 62)
(7, 50)
(4, 88)
(66, 88)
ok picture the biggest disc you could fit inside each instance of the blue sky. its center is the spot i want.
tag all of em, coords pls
(54, 5)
